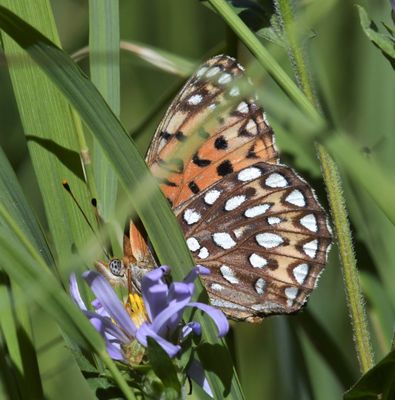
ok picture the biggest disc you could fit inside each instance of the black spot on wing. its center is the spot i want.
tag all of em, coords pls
(224, 168)
(165, 135)
(251, 152)
(199, 161)
(221, 143)
(194, 187)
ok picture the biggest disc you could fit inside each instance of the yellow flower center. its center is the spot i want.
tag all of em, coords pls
(135, 307)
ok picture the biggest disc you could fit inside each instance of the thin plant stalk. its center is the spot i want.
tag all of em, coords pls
(333, 184)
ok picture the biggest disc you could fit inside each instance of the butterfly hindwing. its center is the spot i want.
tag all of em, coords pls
(263, 235)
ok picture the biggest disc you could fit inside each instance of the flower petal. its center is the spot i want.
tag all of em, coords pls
(110, 301)
(217, 316)
(75, 293)
(190, 327)
(196, 372)
(154, 298)
(178, 292)
(106, 327)
(167, 320)
(145, 330)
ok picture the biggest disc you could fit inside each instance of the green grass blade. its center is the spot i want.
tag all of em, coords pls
(13, 199)
(374, 179)
(104, 67)
(51, 134)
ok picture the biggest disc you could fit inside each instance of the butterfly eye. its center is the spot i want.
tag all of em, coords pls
(116, 267)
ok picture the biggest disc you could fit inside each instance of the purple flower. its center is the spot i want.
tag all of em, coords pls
(159, 318)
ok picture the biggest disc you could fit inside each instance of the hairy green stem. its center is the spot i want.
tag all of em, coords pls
(336, 202)
(350, 272)
(284, 11)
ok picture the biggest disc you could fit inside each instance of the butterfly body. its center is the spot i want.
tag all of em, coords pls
(253, 222)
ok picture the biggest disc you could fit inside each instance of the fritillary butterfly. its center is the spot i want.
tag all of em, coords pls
(255, 223)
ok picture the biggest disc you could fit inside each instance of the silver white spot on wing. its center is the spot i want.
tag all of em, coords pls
(249, 174)
(296, 198)
(228, 274)
(193, 244)
(300, 272)
(203, 253)
(224, 240)
(291, 293)
(276, 180)
(234, 202)
(256, 210)
(227, 304)
(309, 221)
(201, 71)
(235, 91)
(257, 261)
(211, 196)
(311, 248)
(260, 286)
(217, 287)
(224, 78)
(242, 108)
(274, 220)
(269, 240)
(212, 72)
(212, 106)
(251, 127)
(191, 216)
(195, 99)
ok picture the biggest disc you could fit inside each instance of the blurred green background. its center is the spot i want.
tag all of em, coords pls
(284, 357)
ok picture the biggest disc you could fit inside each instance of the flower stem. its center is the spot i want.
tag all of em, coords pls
(284, 11)
(350, 272)
(336, 201)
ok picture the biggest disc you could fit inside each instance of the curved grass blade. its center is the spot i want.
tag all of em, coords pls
(14, 200)
(51, 136)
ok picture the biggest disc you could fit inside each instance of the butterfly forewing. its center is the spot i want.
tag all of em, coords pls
(236, 138)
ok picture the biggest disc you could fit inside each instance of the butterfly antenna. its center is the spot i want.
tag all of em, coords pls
(67, 187)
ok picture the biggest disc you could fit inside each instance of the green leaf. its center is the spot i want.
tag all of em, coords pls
(164, 369)
(379, 381)
(384, 42)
